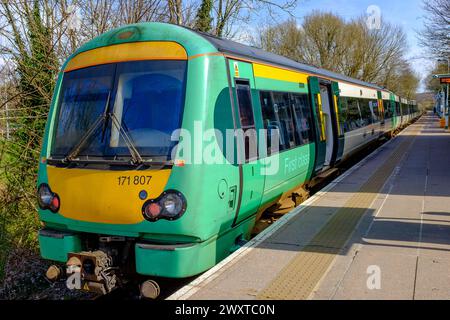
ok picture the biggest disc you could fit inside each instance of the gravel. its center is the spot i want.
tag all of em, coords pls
(25, 280)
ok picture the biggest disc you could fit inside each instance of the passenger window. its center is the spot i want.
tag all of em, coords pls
(373, 105)
(302, 116)
(290, 115)
(247, 119)
(404, 109)
(245, 104)
(283, 112)
(351, 113)
(344, 114)
(277, 115)
(269, 118)
(366, 114)
(387, 109)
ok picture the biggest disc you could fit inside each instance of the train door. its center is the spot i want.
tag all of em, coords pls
(321, 143)
(394, 111)
(330, 123)
(381, 108)
(339, 149)
(249, 119)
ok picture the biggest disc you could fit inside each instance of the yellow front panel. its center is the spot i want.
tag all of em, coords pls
(103, 196)
(134, 51)
(264, 71)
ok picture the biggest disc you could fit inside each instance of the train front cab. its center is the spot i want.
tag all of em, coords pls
(108, 207)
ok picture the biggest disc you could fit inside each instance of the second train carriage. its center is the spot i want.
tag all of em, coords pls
(111, 194)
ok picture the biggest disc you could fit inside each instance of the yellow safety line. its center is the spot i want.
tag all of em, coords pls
(299, 278)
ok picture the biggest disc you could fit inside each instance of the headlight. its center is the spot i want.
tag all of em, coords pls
(170, 205)
(48, 199)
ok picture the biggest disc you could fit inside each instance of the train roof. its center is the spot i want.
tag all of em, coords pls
(242, 50)
(196, 42)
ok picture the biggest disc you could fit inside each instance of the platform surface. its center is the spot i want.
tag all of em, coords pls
(379, 231)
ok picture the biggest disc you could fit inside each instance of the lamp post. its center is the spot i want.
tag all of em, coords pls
(446, 111)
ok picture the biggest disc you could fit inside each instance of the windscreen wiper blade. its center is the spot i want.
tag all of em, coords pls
(84, 139)
(136, 157)
(110, 162)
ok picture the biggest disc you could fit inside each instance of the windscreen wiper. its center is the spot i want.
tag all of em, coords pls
(84, 139)
(135, 155)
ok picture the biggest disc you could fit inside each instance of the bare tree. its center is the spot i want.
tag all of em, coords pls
(133, 11)
(327, 41)
(175, 11)
(432, 83)
(230, 15)
(436, 32)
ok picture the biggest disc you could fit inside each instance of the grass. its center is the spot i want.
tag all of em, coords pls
(4, 245)
(18, 220)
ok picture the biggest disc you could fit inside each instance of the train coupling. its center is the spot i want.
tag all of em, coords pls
(91, 271)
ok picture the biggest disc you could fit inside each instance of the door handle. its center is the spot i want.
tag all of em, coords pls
(232, 199)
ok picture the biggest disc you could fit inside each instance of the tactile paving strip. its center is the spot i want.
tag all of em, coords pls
(299, 278)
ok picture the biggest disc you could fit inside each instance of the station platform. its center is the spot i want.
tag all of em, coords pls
(379, 231)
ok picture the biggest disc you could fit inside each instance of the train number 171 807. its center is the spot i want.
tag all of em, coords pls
(134, 180)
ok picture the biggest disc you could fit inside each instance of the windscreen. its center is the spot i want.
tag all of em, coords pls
(145, 98)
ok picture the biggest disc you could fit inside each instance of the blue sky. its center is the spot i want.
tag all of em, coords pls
(407, 13)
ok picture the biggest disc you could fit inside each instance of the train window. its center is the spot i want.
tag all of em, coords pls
(388, 109)
(83, 97)
(404, 109)
(269, 117)
(278, 120)
(373, 105)
(302, 116)
(136, 83)
(245, 104)
(344, 114)
(397, 108)
(290, 115)
(366, 114)
(247, 119)
(283, 111)
(145, 97)
(351, 114)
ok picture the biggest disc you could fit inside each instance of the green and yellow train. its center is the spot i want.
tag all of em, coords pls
(116, 195)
